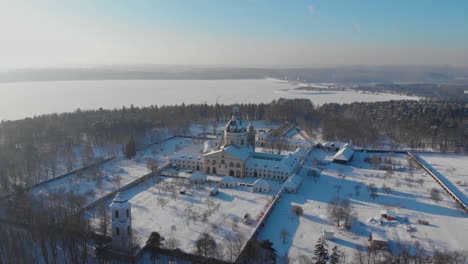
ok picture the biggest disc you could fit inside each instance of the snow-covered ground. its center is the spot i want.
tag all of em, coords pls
(171, 220)
(408, 199)
(96, 182)
(453, 166)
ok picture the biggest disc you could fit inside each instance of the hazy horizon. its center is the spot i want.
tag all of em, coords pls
(272, 34)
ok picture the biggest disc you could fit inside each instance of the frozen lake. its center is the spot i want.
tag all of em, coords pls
(26, 99)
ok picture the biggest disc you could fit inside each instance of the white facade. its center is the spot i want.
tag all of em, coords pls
(261, 185)
(237, 157)
(228, 182)
(293, 183)
(121, 224)
(197, 177)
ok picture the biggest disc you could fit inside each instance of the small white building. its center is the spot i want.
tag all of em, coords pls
(344, 155)
(197, 177)
(328, 235)
(261, 185)
(228, 182)
(292, 184)
(121, 224)
(387, 214)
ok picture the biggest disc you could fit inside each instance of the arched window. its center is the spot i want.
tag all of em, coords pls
(117, 231)
(231, 164)
(116, 213)
(213, 162)
(238, 165)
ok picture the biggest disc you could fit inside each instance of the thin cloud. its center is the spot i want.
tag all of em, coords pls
(356, 27)
(311, 9)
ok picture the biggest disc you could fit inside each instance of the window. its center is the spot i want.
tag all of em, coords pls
(242, 142)
(213, 162)
(116, 214)
(238, 165)
(128, 230)
(231, 164)
(128, 213)
(222, 161)
(117, 231)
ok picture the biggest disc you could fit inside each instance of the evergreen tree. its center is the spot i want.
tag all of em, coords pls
(335, 256)
(321, 252)
(268, 251)
(130, 149)
(154, 242)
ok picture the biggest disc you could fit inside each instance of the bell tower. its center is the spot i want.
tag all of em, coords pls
(121, 224)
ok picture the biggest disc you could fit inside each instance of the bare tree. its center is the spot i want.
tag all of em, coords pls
(297, 210)
(206, 245)
(233, 245)
(162, 202)
(372, 191)
(284, 235)
(171, 243)
(339, 210)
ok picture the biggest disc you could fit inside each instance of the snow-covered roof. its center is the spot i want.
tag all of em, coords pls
(300, 142)
(336, 144)
(228, 179)
(208, 146)
(285, 163)
(293, 182)
(197, 176)
(119, 201)
(261, 183)
(344, 154)
(235, 151)
(192, 153)
(236, 125)
(388, 213)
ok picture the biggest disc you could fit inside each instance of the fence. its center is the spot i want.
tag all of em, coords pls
(444, 185)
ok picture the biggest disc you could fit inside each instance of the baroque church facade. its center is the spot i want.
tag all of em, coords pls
(234, 154)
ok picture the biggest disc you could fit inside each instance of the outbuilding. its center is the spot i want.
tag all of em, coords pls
(292, 184)
(389, 215)
(228, 182)
(377, 241)
(261, 185)
(344, 155)
(197, 177)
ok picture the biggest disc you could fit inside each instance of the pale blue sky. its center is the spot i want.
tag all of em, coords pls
(236, 32)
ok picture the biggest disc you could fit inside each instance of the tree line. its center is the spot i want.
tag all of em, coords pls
(32, 149)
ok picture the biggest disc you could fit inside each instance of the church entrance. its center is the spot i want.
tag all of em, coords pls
(231, 172)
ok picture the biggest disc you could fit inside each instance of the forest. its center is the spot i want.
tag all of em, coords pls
(432, 90)
(30, 149)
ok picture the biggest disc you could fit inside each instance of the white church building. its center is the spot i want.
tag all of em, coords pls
(234, 155)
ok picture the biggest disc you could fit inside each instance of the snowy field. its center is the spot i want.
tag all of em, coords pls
(453, 166)
(27, 99)
(171, 221)
(408, 199)
(96, 182)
